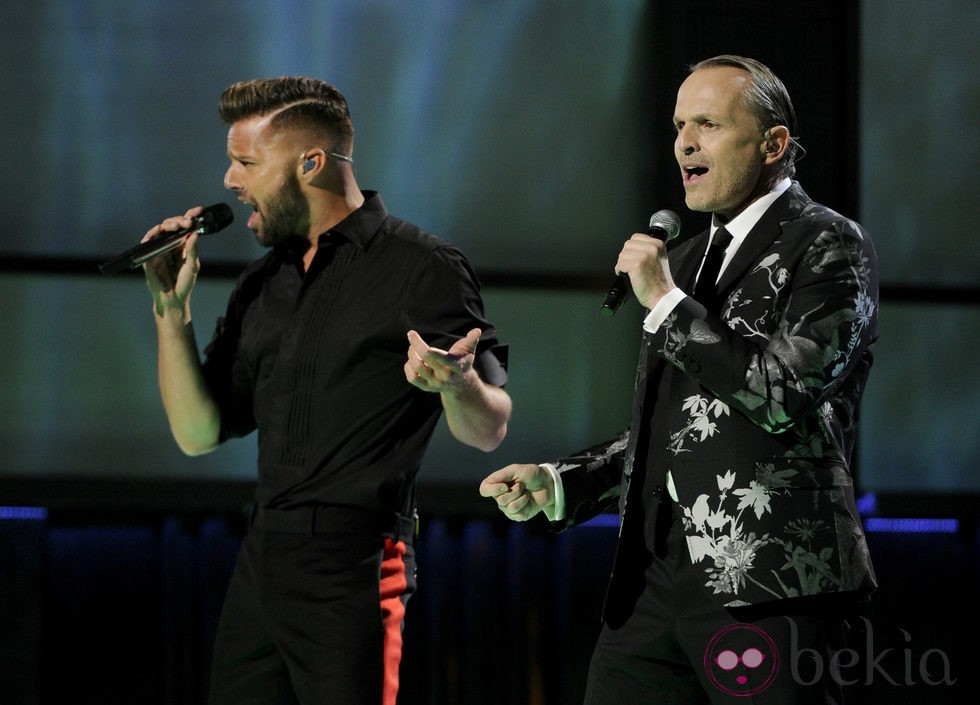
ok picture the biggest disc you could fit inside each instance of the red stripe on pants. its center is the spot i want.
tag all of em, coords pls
(394, 583)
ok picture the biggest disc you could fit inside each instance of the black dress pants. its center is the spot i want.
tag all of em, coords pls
(313, 616)
(674, 645)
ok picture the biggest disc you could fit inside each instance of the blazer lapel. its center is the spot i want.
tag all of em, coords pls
(687, 265)
(787, 207)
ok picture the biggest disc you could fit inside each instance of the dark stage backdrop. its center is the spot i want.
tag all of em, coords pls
(534, 134)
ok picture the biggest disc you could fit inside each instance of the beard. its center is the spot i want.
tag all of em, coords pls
(287, 215)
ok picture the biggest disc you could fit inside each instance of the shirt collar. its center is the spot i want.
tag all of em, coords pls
(361, 226)
(740, 225)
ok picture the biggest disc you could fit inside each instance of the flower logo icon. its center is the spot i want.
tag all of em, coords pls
(741, 659)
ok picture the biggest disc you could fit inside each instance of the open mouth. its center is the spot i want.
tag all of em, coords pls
(694, 173)
(253, 217)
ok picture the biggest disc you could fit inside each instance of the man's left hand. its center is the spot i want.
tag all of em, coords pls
(435, 370)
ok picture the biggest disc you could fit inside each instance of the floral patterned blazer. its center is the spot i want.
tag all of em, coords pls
(761, 412)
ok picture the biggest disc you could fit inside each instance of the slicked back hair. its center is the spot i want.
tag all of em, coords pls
(765, 97)
(296, 102)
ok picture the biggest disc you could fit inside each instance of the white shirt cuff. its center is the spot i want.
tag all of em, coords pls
(658, 314)
(557, 512)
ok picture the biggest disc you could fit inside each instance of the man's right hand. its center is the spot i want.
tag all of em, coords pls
(520, 491)
(171, 276)
(644, 258)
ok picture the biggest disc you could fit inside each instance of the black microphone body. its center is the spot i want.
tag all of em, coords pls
(211, 220)
(664, 226)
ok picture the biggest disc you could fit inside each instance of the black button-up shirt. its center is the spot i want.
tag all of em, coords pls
(315, 360)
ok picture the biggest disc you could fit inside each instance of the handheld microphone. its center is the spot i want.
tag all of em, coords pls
(664, 225)
(211, 220)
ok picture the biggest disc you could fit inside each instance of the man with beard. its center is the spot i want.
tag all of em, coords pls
(312, 353)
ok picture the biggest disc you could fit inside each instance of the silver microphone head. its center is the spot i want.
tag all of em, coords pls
(668, 221)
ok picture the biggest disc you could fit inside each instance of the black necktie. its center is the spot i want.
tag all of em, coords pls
(706, 290)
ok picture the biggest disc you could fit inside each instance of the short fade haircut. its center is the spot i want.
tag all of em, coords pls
(298, 102)
(765, 97)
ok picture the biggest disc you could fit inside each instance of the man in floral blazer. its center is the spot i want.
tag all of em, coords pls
(738, 517)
